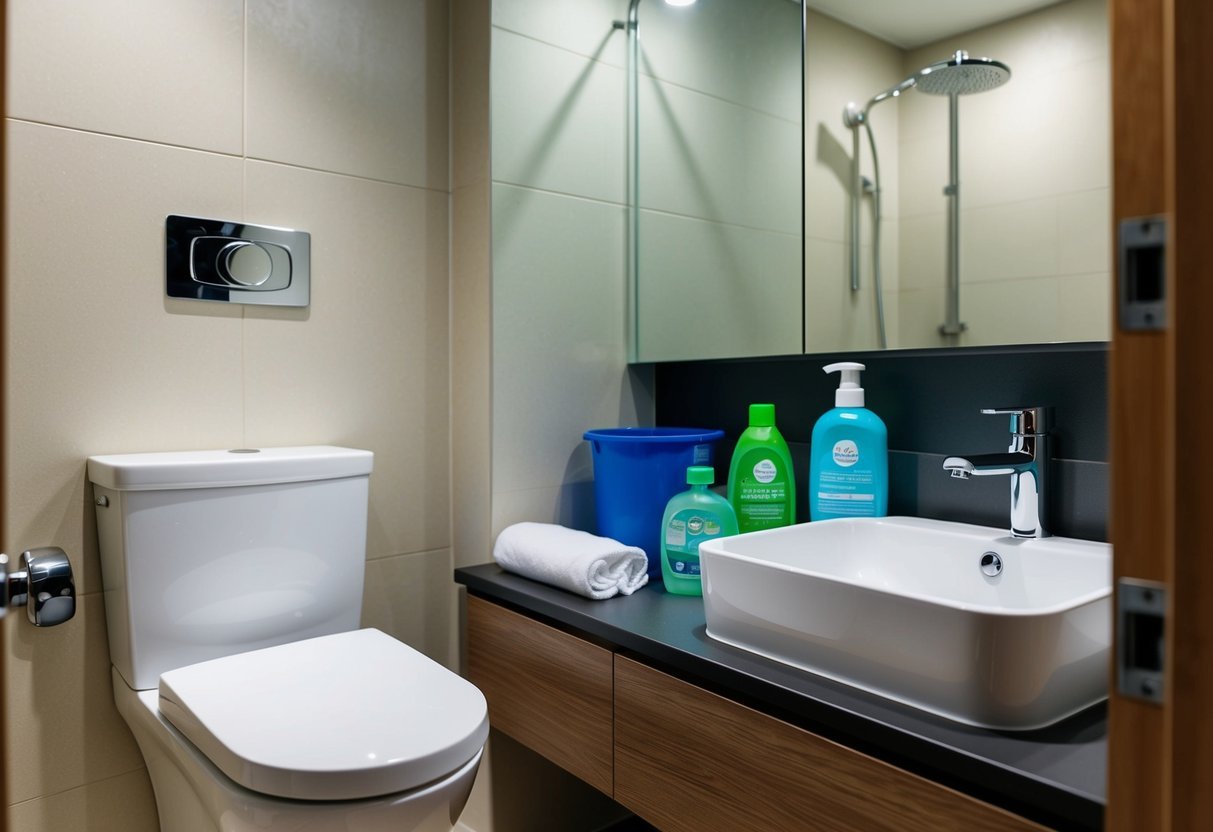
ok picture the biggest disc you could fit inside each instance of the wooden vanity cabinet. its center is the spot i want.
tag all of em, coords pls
(686, 759)
(547, 689)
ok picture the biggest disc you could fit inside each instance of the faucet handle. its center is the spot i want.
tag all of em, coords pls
(1025, 421)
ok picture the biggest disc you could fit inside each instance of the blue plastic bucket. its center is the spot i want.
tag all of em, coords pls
(636, 472)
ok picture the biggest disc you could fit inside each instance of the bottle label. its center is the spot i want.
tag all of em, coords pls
(846, 493)
(683, 534)
(760, 495)
(846, 453)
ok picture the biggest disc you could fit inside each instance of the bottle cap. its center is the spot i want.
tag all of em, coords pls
(701, 475)
(762, 415)
(849, 394)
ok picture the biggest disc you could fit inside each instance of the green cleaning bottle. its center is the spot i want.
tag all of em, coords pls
(691, 517)
(762, 486)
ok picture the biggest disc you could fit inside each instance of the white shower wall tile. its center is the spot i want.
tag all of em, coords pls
(585, 27)
(570, 505)
(559, 351)
(703, 157)
(732, 284)
(557, 120)
(744, 53)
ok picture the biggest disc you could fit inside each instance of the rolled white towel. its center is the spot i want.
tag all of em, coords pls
(596, 567)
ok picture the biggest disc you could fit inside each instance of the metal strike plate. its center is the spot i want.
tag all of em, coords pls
(1141, 615)
(1142, 273)
(231, 262)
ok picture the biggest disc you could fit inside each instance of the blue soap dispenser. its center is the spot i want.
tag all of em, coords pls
(849, 457)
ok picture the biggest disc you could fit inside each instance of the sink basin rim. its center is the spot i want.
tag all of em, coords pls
(987, 535)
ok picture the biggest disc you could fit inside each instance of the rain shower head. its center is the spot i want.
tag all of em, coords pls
(962, 75)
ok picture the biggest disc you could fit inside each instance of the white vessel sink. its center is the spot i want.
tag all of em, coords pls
(901, 607)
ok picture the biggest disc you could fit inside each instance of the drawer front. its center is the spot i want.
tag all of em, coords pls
(687, 759)
(547, 689)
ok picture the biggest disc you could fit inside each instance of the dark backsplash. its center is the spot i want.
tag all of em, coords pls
(930, 401)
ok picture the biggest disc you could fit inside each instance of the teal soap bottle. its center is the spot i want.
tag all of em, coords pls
(849, 455)
(691, 517)
(762, 487)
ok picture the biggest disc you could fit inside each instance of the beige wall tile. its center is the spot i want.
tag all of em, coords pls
(118, 804)
(1084, 231)
(1085, 307)
(358, 87)
(471, 34)
(98, 360)
(845, 65)
(836, 317)
(922, 242)
(63, 728)
(983, 306)
(410, 597)
(181, 86)
(1011, 240)
(919, 314)
(367, 364)
(471, 374)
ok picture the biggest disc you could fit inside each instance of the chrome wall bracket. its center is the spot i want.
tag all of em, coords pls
(231, 262)
(43, 585)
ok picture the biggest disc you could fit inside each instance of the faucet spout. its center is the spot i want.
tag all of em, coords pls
(1025, 462)
(986, 465)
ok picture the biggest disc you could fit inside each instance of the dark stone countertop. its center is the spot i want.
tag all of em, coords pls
(1055, 776)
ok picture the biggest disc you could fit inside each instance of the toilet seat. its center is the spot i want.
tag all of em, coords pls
(339, 717)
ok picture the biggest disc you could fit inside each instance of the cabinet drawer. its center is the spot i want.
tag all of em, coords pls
(687, 759)
(547, 689)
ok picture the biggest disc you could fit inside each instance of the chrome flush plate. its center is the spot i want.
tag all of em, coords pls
(232, 262)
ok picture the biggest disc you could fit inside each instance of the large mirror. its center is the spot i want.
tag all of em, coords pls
(958, 202)
(715, 197)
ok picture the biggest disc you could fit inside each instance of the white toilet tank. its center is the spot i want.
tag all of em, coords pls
(209, 553)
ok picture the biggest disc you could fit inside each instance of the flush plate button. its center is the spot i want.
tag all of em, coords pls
(218, 260)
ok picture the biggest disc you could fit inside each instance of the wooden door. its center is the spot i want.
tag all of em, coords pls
(1161, 399)
(3, 406)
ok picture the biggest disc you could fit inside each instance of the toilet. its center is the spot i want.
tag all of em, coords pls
(233, 593)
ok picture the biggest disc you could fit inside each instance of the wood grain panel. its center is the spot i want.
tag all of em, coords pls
(686, 759)
(547, 689)
(1190, 636)
(1140, 407)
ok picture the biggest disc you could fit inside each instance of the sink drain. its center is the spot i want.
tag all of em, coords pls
(991, 564)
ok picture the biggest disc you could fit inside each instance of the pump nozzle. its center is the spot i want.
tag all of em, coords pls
(849, 394)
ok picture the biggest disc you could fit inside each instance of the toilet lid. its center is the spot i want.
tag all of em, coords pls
(339, 717)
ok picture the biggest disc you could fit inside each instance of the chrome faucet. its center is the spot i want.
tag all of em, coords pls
(1026, 462)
